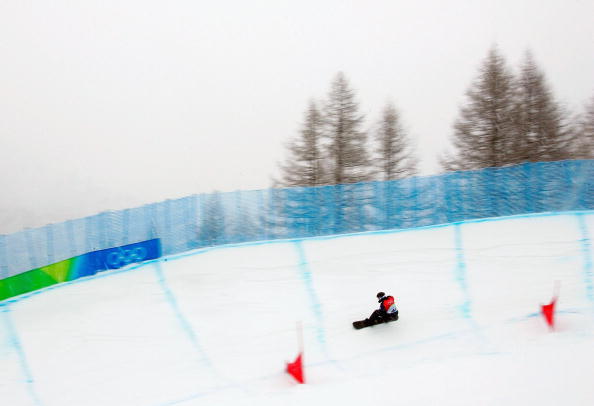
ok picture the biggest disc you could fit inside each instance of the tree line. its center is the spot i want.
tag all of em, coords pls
(507, 118)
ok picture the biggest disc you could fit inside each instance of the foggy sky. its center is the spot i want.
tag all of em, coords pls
(107, 104)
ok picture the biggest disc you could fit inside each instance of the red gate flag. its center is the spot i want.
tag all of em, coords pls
(548, 312)
(296, 369)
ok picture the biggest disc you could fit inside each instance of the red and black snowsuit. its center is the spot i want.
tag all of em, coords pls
(386, 311)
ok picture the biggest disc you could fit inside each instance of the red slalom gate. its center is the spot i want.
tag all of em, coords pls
(295, 369)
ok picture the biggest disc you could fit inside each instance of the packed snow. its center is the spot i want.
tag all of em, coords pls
(217, 326)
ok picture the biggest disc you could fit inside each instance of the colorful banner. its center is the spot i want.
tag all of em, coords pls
(78, 267)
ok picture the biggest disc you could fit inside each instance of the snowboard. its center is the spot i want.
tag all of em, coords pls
(366, 323)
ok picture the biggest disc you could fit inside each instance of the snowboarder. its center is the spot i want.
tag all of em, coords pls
(386, 312)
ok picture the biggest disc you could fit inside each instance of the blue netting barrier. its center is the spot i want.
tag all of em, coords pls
(222, 218)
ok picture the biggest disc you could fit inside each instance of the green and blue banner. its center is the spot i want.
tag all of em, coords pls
(83, 265)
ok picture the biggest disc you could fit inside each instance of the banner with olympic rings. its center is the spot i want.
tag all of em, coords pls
(83, 265)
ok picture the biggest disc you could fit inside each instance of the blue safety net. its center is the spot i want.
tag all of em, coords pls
(223, 218)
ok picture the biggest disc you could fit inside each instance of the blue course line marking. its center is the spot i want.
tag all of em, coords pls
(460, 273)
(586, 245)
(181, 319)
(9, 327)
(315, 304)
(461, 276)
(187, 328)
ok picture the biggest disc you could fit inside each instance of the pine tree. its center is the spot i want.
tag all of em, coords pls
(394, 159)
(484, 128)
(304, 164)
(347, 155)
(542, 132)
(584, 145)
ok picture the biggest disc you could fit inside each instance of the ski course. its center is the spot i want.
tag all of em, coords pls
(216, 326)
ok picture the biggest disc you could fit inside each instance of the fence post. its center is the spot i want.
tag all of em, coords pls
(239, 218)
(200, 220)
(51, 258)
(30, 248)
(262, 227)
(70, 237)
(3, 258)
(126, 226)
(191, 222)
(527, 187)
(168, 226)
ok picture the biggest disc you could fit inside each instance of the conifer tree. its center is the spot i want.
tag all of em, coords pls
(304, 166)
(346, 148)
(484, 128)
(584, 145)
(394, 158)
(541, 131)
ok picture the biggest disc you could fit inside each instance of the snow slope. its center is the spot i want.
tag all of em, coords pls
(216, 326)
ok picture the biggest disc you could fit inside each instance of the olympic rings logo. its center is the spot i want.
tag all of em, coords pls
(123, 257)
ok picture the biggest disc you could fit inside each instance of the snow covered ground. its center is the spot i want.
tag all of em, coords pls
(216, 326)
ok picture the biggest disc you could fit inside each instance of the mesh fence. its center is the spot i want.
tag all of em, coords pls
(222, 218)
